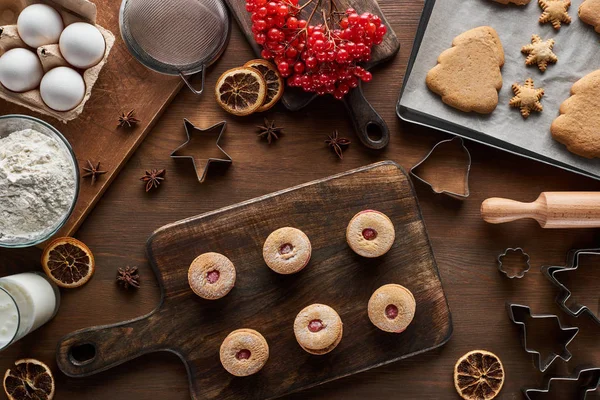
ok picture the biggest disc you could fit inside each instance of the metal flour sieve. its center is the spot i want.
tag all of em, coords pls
(175, 37)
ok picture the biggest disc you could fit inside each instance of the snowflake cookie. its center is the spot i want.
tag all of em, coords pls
(527, 98)
(539, 52)
(555, 12)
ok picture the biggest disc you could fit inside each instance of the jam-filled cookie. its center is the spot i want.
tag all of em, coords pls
(211, 276)
(244, 352)
(287, 250)
(318, 329)
(392, 308)
(370, 233)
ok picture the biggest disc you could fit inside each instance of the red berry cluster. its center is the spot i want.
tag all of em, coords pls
(323, 58)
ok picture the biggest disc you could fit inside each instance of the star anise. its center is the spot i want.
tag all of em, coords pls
(128, 120)
(269, 131)
(93, 171)
(153, 178)
(337, 143)
(128, 276)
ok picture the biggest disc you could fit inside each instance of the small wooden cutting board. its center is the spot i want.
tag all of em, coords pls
(194, 328)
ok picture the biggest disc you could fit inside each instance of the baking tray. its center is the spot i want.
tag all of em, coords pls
(576, 164)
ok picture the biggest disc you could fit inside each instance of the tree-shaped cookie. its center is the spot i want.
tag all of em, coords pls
(555, 12)
(589, 12)
(527, 98)
(468, 75)
(540, 52)
(578, 126)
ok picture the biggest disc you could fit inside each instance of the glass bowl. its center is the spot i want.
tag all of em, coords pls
(13, 123)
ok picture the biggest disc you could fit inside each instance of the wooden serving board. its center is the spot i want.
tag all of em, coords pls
(123, 85)
(370, 127)
(194, 328)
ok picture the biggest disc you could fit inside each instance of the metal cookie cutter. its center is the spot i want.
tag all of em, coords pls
(201, 164)
(519, 314)
(588, 380)
(525, 257)
(564, 293)
(440, 147)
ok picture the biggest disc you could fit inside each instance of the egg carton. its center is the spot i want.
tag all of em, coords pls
(71, 11)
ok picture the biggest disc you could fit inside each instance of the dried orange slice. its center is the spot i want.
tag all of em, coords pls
(29, 379)
(68, 262)
(241, 91)
(478, 375)
(273, 80)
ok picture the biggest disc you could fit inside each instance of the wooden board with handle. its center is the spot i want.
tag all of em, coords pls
(194, 328)
(123, 85)
(368, 124)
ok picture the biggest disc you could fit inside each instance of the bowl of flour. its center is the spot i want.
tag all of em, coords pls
(39, 181)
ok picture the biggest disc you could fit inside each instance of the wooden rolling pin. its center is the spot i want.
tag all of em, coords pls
(551, 210)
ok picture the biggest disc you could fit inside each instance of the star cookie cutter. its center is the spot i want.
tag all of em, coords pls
(564, 293)
(524, 256)
(588, 381)
(201, 164)
(519, 314)
(440, 147)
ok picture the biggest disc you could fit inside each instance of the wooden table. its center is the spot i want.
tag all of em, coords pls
(465, 246)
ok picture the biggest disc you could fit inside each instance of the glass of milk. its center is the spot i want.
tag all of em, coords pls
(27, 301)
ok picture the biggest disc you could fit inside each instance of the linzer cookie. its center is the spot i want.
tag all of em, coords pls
(468, 75)
(211, 276)
(370, 233)
(287, 250)
(555, 12)
(318, 329)
(244, 352)
(589, 12)
(577, 126)
(539, 52)
(392, 308)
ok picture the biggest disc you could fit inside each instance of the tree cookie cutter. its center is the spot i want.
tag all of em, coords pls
(564, 293)
(588, 381)
(201, 164)
(446, 170)
(519, 314)
(525, 257)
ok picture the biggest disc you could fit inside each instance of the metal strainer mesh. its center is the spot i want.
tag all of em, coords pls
(175, 36)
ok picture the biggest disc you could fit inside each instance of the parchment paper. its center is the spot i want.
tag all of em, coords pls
(577, 48)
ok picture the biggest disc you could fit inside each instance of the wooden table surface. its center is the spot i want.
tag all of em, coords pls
(465, 246)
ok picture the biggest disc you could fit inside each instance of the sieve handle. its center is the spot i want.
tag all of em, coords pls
(189, 84)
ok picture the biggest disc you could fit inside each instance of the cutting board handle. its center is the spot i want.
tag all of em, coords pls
(89, 351)
(371, 129)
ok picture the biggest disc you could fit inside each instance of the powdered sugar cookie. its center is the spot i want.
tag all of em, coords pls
(244, 352)
(287, 250)
(318, 329)
(370, 233)
(211, 276)
(392, 308)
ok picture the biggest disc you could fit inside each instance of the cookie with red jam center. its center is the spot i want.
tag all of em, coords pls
(244, 352)
(392, 308)
(287, 250)
(370, 234)
(211, 276)
(318, 329)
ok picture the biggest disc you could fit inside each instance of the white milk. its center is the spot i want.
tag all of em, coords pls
(33, 301)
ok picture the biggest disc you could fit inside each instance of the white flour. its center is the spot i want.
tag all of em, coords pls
(37, 185)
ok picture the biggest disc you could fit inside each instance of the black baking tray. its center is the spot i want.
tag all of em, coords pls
(429, 121)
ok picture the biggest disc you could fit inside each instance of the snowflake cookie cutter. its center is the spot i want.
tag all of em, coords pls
(564, 294)
(524, 256)
(519, 314)
(587, 379)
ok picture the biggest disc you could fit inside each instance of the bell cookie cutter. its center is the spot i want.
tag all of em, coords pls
(201, 164)
(440, 147)
(588, 381)
(525, 257)
(519, 314)
(564, 293)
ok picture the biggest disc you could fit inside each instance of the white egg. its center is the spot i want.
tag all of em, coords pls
(39, 25)
(62, 88)
(82, 45)
(20, 70)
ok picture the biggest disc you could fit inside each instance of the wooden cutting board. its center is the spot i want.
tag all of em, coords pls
(123, 85)
(368, 124)
(194, 328)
